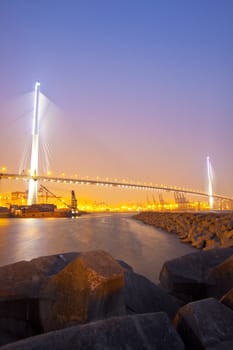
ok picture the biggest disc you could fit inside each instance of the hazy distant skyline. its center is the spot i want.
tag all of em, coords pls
(142, 89)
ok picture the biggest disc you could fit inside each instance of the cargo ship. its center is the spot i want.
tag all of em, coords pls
(41, 211)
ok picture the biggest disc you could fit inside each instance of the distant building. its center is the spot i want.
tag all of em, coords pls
(18, 197)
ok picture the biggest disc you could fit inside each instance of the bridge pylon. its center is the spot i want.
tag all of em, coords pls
(210, 183)
(33, 184)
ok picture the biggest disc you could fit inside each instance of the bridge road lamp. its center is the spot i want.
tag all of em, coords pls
(33, 185)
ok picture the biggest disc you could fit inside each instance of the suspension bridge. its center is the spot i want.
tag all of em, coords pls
(34, 178)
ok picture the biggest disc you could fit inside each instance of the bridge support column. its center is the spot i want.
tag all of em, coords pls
(210, 183)
(33, 187)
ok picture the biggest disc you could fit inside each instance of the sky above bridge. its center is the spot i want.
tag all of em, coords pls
(137, 90)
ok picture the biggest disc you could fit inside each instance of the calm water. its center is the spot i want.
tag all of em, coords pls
(143, 247)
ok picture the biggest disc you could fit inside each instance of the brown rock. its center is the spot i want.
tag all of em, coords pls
(200, 229)
(89, 288)
(227, 243)
(227, 299)
(228, 234)
(19, 289)
(23, 279)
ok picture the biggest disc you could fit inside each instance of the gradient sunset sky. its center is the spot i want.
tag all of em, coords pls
(139, 90)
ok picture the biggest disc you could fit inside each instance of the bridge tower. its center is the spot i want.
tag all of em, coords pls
(210, 183)
(33, 185)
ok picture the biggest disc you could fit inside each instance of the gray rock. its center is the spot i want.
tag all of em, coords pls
(185, 277)
(227, 299)
(220, 279)
(143, 296)
(135, 332)
(50, 265)
(205, 325)
(6, 337)
(87, 289)
(125, 266)
(21, 279)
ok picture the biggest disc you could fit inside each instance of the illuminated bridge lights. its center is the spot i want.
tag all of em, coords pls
(119, 185)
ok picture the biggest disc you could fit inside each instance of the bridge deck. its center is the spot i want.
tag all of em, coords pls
(125, 185)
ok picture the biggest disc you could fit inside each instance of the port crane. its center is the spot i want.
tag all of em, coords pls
(72, 205)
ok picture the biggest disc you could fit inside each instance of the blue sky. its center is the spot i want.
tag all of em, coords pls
(144, 87)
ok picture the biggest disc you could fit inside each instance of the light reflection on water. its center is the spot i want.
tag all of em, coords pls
(141, 246)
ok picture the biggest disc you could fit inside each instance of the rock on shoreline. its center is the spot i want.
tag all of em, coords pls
(203, 230)
(199, 275)
(92, 301)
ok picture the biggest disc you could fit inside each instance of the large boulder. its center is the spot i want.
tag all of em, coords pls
(56, 291)
(87, 289)
(21, 279)
(220, 278)
(143, 296)
(136, 332)
(185, 277)
(20, 284)
(227, 299)
(205, 325)
(24, 278)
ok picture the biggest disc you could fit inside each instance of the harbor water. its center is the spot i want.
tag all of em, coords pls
(143, 247)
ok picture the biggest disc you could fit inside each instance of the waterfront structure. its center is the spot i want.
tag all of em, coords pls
(33, 183)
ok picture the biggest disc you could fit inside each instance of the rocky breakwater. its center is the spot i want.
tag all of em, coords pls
(92, 301)
(203, 230)
(203, 282)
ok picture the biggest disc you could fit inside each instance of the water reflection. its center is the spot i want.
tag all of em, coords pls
(141, 246)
